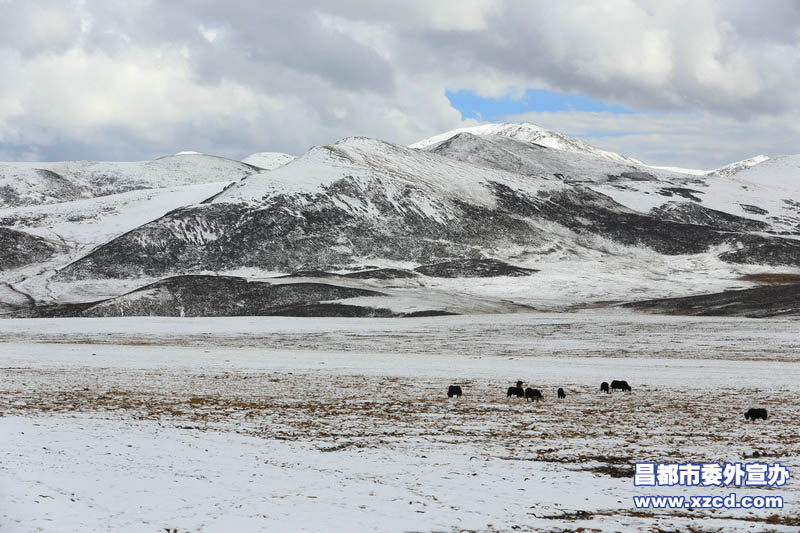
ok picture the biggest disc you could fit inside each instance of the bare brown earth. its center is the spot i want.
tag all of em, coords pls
(368, 411)
(772, 278)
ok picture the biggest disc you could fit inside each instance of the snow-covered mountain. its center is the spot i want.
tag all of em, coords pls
(364, 201)
(57, 212)
(530, 159)
(519, 223)
(531, 133)
(758, 193)
(357, 201)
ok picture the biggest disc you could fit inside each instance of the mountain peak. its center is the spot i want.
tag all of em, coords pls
(532, 133)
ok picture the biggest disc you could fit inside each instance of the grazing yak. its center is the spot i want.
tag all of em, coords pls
(561, 394)
(753, 413)
(604, 387)
(620, 385)
(533, 394)
(454, 390)
(516, 391)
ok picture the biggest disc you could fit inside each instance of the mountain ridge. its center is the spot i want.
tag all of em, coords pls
(567, 214)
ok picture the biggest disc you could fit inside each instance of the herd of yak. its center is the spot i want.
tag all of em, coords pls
(536, 395)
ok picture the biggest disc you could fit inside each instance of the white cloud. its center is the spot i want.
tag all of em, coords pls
(116, 79)
(208, 34)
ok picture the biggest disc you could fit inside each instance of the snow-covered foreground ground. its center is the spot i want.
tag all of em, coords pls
(280, 424)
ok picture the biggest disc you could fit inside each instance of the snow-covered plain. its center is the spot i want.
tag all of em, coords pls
(284, 424)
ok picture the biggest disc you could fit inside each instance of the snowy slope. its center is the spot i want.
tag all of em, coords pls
(727, 170)
(92, 221)
(23, 184)
(781, 173)
(268, 160)
(738, 166)
(767, 192)
(680, 170)
(79, 205)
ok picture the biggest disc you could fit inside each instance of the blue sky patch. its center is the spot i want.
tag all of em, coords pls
(535, 100)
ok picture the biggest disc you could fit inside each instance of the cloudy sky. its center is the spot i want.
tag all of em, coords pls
(689, 83)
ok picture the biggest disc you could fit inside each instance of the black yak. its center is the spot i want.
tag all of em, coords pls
(604, 387)
(515, 391)
(753, 413)
(454, 390)
(533, 394)
(561, 393)
(621, 385)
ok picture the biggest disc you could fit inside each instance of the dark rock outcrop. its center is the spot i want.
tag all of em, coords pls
(691, 213)
(759, 302)
(381, 273)
(19, 249)
(230, 296)
(473, 268)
